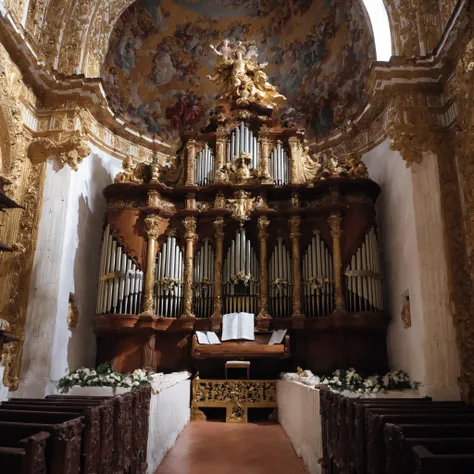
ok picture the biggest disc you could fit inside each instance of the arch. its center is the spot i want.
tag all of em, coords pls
(380, 27)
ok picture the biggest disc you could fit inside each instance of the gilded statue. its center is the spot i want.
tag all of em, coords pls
(241, 206)
(241, 76)
(356, 167)
(131, 174)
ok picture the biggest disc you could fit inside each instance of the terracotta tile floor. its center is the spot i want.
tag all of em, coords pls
(224, 448)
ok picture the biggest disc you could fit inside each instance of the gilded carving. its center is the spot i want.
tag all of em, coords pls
(72, 312)
(190, 235)
(219, 261)
(67, 148)
(132, 173)
(335, 221)
(262, 225)
(241, 206)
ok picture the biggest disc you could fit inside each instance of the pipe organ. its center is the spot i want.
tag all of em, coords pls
(120, 281)
(204, 264)
(318, 278)
(241, 140)
(243, 219)
(241, 276)
(169, 279)
(279, 165)
(363, 279)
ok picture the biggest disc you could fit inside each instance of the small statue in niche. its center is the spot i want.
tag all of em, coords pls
(238, 171)
(219, 201)
(406, 313)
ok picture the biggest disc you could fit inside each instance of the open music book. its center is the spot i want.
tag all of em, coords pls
(277, 337)
(238, 326)
(208, 337)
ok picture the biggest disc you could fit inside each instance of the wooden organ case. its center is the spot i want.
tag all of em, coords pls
(244, 220)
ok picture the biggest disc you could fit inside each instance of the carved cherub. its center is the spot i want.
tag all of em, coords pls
(131, 173)
(356, 167)
(241, 206)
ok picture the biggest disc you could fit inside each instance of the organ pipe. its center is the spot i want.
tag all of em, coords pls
(279, 165)
(318, 278)
(204, 264)
(363, 279)
(169, 270)
(243, 139)
(241, 276)
(281, 281)
(204, 170)
(116, 294)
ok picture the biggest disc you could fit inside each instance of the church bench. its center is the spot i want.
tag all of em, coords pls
(29, 416)
(63, 454)
(141, 411)
(375, 435)
(123, 433)
(428, 462)
(92, 439)
(399, 453)
(28, 458)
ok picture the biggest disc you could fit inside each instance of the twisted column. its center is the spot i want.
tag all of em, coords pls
(334, 222)
(216, 317)
(263, 317)
(295, 223)
(153, 224)
(190, 237)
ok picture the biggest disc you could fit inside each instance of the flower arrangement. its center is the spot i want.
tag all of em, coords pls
(169, 284)
(316, 282)
(103, 376)
(242, 277)
(279, 284)
(352, 381)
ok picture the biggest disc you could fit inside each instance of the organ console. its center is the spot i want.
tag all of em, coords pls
(243, 219)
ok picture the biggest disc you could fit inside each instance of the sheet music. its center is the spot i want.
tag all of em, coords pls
(212, 337)
(246, 326)
(230, 326)
(202, 338)
(277, 337)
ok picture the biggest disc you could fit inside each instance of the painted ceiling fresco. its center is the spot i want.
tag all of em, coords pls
(319, 54)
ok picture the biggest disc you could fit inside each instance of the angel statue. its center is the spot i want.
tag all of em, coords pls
(241, 77)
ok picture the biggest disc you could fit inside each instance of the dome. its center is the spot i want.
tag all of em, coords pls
(318, 54)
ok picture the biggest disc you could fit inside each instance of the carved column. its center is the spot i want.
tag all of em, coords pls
(216, 318)
(153, 223)
(294, 156)
(265, 144)
(295, 223)
(334, 222)
(190, 236)
(220, 157)
(192, 152)
(263, 318)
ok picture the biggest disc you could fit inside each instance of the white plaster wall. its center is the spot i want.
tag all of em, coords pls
(398, 241)
(66, 261)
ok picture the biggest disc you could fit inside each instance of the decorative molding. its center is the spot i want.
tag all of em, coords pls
(68, 148)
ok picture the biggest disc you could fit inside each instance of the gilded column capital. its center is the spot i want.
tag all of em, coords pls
(262, 224)
(153, 223)
(335, 221)
(190, 225)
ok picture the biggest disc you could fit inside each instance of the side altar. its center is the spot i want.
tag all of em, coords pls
(244, 218)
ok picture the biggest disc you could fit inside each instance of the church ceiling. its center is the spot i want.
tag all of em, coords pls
(319, 54)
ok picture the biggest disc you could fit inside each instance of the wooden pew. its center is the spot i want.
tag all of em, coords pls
(399, 453)
(141, 411)
(28, 458)
(375, 431)
(429, 463)
(91, 410)
(65, 442)
(29, 416)
(123, 434)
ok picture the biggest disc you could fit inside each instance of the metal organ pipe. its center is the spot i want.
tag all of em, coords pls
(169, 279)
(281, 280)
(363, 279)
(243, 139)
(116, 274)
(205, 167)
(240, 264)
(279, 165)
(204, 280)
(318, 278)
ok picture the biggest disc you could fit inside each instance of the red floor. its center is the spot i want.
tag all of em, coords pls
(225, 448)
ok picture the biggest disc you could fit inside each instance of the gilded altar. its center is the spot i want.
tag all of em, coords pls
(236, 396)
